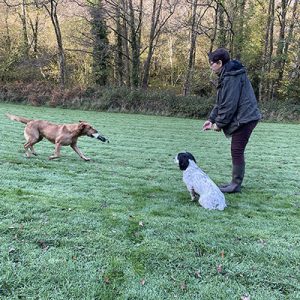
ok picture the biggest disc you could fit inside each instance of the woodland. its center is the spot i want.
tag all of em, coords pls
(83, 46)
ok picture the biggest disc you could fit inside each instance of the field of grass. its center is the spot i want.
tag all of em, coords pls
(122, 226)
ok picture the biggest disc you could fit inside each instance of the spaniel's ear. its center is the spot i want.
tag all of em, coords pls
(183, 162)
(190, 156)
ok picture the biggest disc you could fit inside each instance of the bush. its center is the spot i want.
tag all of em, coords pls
(281, 110)
(123, 99)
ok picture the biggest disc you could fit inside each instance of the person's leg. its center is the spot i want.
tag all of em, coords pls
(239, 142)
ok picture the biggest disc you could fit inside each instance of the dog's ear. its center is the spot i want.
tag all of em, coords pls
(190, 156)
(183, 161)
(81, 125)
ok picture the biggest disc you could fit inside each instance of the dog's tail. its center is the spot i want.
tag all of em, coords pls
(18, 119)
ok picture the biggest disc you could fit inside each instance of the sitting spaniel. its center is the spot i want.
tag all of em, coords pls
(199, 184)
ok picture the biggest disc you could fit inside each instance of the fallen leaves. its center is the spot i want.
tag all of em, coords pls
(106, 280)
(43, 245)
(183, 286)
(219, 269)
(197, 274)
(11, 250)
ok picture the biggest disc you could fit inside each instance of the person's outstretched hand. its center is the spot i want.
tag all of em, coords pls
(207, 125)
(215, 127)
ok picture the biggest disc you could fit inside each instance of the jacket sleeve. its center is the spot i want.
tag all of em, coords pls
(213, 114)
(228, 101)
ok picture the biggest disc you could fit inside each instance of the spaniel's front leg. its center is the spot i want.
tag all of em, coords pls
(193, 194)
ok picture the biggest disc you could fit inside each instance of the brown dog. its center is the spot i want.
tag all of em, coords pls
(60, 135)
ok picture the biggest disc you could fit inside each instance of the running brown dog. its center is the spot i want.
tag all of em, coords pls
(60, 135)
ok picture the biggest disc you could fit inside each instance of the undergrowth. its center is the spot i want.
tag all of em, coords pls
(126, 100)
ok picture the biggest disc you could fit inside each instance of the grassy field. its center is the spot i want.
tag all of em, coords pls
(121, 226)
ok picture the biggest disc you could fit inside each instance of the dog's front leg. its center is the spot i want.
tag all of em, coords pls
(56, 151)
(33, 151)
(77, 150)
(193, 194)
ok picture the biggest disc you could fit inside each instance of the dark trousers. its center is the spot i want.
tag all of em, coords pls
(239, 142)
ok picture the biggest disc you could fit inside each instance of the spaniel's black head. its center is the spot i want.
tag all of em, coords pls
(182, 159)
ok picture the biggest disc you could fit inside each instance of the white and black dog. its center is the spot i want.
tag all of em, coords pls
(199, 184)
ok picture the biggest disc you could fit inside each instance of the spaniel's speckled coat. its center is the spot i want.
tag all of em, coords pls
(198, 183)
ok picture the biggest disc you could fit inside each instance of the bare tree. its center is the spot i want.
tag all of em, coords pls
(135, 21)
(158, 21)
(192, 51)
(267, 53)
(119, 57)
(221, 25)
(34, 25)
(51, 7)
(100, 43)
(284, 41)
(238, 41)
(23, 17)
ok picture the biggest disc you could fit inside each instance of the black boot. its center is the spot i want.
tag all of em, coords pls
(238, 172)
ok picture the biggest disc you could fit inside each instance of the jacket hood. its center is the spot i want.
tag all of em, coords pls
(233, 67)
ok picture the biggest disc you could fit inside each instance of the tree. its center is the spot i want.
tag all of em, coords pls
(283, 41)
(23, 17)
(222, 42)
(135, 23)
(266, 59)
(192, 51)
(238, 42)
(100, 43)
(120, 31)
(51, 8)
(158, 21)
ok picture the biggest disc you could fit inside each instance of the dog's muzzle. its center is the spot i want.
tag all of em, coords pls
(100, 137)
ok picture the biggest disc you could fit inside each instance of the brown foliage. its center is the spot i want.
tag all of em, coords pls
(115, 99)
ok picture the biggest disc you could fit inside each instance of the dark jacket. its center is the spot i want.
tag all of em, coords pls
(236, 101)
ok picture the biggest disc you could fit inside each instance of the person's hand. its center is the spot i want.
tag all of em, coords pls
(207, 125)
(215, 127)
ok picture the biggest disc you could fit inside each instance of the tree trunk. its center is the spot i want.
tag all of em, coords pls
(125, 42)
(283, 43)
(135, 46)
(100, 44)
(156, 9)
(34, 28)
(171, 54)
(158, 21)
(267, 53)
(192, 52)
(23, 17)
(52, 11)
(221, 26)
(119, 61)
(239, 31)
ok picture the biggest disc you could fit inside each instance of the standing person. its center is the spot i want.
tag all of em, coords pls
(235, 112)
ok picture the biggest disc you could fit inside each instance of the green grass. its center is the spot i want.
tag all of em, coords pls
(122, 227)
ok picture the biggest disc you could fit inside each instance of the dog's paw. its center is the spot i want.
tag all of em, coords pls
(193, 199)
